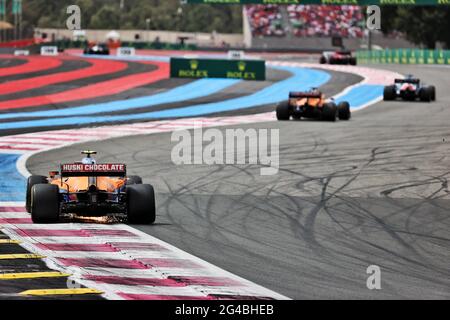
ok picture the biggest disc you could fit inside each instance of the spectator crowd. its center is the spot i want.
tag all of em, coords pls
(308, 20)
(265, 20)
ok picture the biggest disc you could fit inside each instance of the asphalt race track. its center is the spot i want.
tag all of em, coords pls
(371, 191)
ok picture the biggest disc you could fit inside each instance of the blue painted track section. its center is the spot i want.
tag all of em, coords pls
(193, 90)
(357, 96)
(12, 183)
(301, 79)
(362, 94)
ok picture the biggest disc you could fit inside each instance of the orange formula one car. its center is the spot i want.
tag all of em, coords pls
(91, 190)
(312, 104)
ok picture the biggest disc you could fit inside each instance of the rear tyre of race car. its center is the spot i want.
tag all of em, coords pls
(425, 94)
(45, 203)
(323, 60)
(283, 111)
(433, 93)
(389, 93)
(33, 180)
(141, 207)
(344, 111)
(329, 112)
(134, 180)
(353, 61)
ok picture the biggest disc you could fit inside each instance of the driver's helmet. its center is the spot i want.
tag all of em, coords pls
(88, 160)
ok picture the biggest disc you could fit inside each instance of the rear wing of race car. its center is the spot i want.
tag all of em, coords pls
(413, 81)
(93, 170)
(344, 53)
(304, 95)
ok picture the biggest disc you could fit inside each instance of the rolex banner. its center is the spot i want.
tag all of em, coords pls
(218, 68)
(405, 56)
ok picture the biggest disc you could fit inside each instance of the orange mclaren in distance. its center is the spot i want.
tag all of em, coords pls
(90, 189)
(312, 104)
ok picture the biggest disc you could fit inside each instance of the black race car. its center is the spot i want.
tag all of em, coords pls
(89, 189)
(338, 57)
(409, 89)
(100, 49)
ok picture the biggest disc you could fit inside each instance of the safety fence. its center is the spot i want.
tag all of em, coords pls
(404, 56)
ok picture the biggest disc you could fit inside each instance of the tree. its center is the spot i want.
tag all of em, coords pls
(106, 14)
(422, 25)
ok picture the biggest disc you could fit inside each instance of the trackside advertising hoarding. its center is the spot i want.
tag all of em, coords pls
(218, 68)
(335, 2)
(405, 56)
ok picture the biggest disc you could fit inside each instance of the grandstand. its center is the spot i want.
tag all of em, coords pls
(306, 20)
(326, 21)
(266, 20)
(312, 27)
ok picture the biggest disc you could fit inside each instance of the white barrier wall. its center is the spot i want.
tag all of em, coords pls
(203, 39)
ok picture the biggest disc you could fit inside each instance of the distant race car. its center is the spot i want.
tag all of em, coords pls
(338, 57)
(312, 104)
(100, 49)
(89, 189)
(410, 89)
